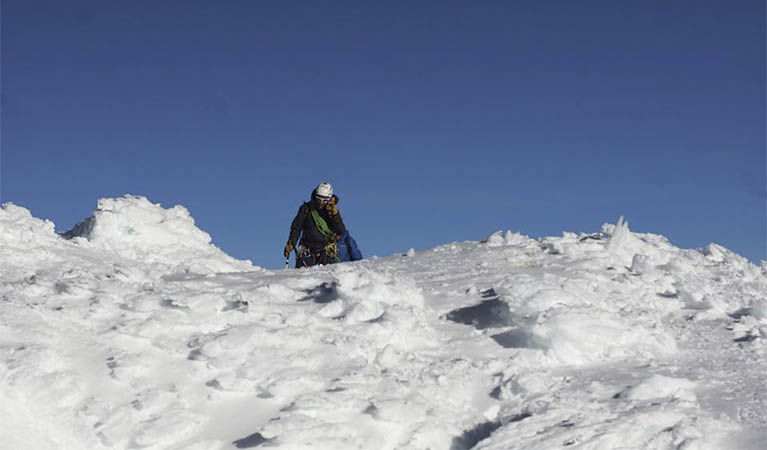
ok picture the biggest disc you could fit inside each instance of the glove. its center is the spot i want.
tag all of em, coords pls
(288, 249)
(332, 209)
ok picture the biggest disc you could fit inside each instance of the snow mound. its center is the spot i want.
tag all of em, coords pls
(659, 387)
(578, 336)
(135, 228)
(610, 293)
(499, 238)
(365, 296)
(26, 241)
(19, 230)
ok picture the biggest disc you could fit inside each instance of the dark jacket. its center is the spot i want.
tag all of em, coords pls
(303, 225)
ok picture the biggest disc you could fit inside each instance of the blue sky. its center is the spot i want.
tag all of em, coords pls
(435, 121)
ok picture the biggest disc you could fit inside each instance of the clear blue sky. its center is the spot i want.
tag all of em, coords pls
(436, 121)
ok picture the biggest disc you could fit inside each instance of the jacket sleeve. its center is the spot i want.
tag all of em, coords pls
(297, 225)
(337, 225)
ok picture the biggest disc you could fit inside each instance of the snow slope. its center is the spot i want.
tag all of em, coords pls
(136, 332)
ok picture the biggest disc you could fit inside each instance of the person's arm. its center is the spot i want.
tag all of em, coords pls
(336, 221)
(297, 225)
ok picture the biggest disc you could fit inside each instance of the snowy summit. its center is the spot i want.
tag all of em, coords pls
(133, 330)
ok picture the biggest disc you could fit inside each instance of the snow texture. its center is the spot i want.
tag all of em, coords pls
(134, 228)
(133, 331)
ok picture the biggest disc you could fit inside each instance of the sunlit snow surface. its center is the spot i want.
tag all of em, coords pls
(139, 333)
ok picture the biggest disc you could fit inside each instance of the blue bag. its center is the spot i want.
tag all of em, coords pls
(347, 248)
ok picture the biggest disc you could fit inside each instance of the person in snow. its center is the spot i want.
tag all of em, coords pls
(319, 225)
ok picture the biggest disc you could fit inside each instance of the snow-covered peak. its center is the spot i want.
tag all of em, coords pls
(135, 228)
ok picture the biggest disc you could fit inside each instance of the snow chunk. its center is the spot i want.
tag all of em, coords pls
(718, 254)
(135, 228)
(586, 335)
(639, 264)
(659, 386)
(715, 252)
(18, 229)
(620, 236)
(26, 241)
(365, 296)
(499, 238)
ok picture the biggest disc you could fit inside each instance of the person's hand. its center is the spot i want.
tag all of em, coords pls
(288, 249)
(332, 209)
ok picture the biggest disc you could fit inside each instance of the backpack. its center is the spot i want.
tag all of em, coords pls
(347, 248)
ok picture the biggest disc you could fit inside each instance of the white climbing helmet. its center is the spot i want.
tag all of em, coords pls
(324, 191)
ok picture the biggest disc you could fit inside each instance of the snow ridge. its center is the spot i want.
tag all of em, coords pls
(138, 332)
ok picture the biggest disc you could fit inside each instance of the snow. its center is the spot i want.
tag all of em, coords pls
(134, 331)
(134, 228)
(659, 386)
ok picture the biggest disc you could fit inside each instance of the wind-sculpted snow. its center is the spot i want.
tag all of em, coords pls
(607, 340)
(134, 228)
